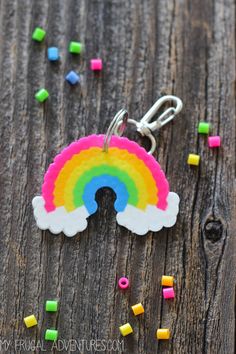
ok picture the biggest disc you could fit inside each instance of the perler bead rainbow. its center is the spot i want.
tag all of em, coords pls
(143, 201)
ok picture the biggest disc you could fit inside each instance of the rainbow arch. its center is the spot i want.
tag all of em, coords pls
(72, 180)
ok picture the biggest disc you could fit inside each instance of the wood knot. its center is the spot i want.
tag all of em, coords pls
(213, 230)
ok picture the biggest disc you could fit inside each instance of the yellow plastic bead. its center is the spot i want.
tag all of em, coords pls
(30, 321)
(167, 280)
(163, 333)
(138, 309)
(193, 159)
(126, 329)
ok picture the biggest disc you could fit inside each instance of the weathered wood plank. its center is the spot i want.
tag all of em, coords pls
(149, 48)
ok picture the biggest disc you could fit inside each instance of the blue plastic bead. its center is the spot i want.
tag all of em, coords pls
(53, 54)
(72, 77)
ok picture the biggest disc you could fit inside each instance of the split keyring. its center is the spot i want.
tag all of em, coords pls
(117, 126)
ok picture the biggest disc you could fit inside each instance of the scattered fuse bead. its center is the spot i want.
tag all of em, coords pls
(163, 333)
(51, 305)
(168, 293)
(214, 141)
(51, 334)
(38, 34)
(30, 321)
(72, 77)
(96, 64)
(203, 128)
(41, 95)
(75, 47)
(138, 309)
(123, 283)
(126, 329)
(193, 159)
(53, 54)
(167, 280)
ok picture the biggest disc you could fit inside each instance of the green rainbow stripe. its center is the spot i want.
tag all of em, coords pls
(87, 176)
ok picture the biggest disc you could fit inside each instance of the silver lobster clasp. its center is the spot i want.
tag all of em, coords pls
(145, 126)
(164, 118)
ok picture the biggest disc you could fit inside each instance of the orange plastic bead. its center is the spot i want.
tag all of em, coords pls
(167, 280)
(138, 309)
(163, 333)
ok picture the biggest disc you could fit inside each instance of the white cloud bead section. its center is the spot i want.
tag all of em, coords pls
(152, 219)
(134, 219)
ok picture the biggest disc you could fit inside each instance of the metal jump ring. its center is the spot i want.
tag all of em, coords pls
(118, 125)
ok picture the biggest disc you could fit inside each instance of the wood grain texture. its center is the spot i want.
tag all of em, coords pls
(149, 48)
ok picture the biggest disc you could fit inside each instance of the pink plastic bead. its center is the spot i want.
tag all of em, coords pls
(123, 283)
(168, 293)
(96, 64)
(214, 141)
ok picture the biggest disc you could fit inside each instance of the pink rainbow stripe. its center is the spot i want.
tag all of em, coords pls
(97, 141)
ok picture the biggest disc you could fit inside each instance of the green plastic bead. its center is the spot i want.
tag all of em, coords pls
(75, 47)
(41, 95)
(203, 128)
(38, 34)
(51, 305)
(51, 334)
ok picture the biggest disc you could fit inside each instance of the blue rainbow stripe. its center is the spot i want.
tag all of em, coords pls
(109, 181)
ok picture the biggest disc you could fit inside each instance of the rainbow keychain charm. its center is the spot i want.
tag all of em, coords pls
(143, 200)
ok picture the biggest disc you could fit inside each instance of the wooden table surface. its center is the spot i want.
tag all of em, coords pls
(149, 48)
